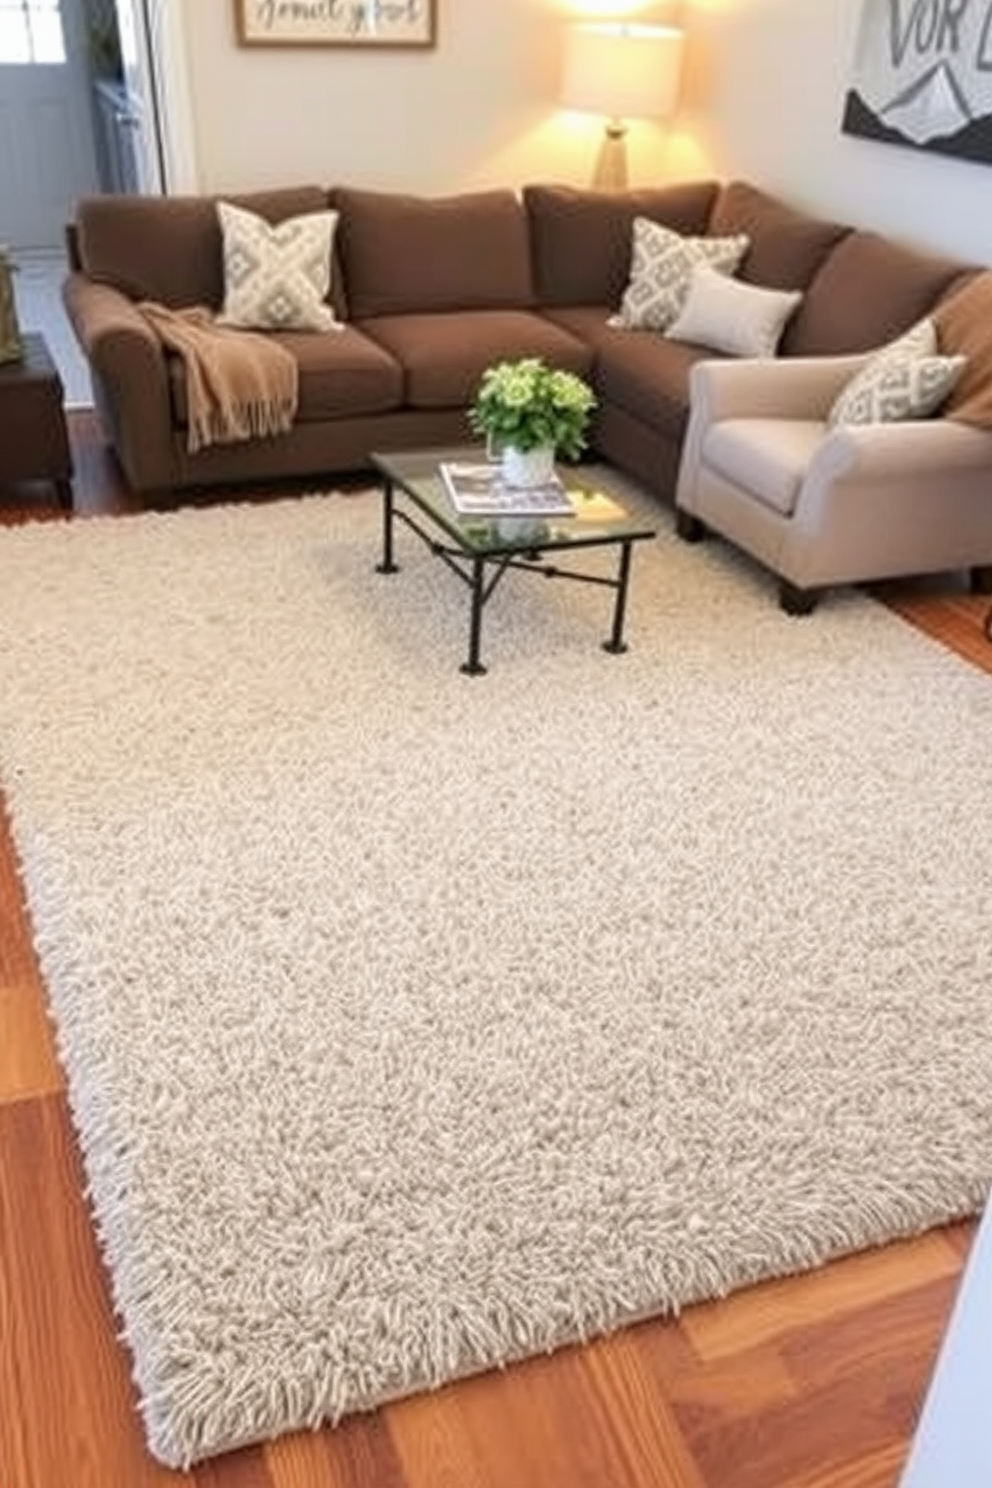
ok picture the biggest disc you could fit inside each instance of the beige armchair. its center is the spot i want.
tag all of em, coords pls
(821, 506)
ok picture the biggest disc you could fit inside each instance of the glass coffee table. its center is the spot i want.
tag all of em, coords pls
(479, 550)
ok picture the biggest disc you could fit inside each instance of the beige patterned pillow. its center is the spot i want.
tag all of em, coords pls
(903, 380)
(661, 266)
(277, 278)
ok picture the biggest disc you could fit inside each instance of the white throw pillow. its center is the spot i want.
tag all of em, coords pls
(661, 266)
(903, 379)
(739, 319)
(277, 278)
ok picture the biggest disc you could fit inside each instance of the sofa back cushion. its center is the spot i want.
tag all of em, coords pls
(169, 248)
(962, 321)
(787, 247)
(410, 254)
(869, 291)
(581, 239)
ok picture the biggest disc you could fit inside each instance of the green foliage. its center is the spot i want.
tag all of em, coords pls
(527, 404)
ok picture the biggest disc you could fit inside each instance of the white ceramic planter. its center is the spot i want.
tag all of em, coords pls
(526, 468)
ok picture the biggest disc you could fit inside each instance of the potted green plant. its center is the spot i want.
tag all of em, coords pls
(529, 413)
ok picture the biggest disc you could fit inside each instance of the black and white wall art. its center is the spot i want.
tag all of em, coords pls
(923, 76)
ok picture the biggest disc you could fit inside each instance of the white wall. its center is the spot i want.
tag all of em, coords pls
(762, 99)
(764, 96)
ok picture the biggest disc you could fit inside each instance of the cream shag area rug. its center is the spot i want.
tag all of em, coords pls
(415, 1023)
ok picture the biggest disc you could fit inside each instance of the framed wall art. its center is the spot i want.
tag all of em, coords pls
(923, 76)
(337, 23)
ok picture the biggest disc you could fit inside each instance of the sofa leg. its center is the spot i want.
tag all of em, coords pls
(795, 601)
(689, 528)
(980, 580)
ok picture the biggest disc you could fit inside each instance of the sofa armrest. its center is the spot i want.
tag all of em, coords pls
(780, 387)
(130, 379)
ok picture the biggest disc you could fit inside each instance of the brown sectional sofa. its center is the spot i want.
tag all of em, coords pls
(434, 290)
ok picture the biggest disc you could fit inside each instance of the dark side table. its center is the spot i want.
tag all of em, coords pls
(34, 440)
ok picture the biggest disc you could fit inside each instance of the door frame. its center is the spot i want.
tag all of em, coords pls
(163, 59)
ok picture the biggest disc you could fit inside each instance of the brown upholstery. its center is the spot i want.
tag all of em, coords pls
(439, 289)
(580, 239)
(869, 290)
(787, 247)
(647, 375)
(410, 255)
(446, 355)
(169, 248)
(963, 323)
(342, 373)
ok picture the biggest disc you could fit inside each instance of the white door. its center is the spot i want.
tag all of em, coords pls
(47, 158)
(141, 116)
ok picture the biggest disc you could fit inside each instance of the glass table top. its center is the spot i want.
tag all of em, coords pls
(598, 515)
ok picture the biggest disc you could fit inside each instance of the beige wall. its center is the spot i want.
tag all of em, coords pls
(478, 110)
(762, 96)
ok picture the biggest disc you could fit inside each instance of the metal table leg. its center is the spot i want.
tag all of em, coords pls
(616, 644)
(387, 565)
(473, 666)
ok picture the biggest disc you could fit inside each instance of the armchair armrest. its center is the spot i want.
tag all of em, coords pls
(130, 378)
(914, 448)
(781, 387)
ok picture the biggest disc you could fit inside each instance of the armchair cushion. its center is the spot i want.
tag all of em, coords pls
(739, 319)
(768, 457)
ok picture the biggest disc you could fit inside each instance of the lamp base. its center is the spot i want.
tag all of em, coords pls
(610, 173)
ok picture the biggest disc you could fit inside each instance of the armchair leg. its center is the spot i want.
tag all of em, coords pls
(980, 580)
(795, 601)
(689, 528)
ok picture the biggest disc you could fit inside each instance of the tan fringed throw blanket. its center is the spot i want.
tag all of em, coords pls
(239, 385)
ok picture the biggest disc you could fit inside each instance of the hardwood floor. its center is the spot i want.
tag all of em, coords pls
(811, 1382)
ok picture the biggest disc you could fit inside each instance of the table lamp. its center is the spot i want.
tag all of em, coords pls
(625, 71)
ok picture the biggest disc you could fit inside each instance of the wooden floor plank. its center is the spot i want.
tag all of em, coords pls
(357, 1454)
(68, 1403)
(432, 1443)
(18, 963)
(28, 1062)
(766, 1312)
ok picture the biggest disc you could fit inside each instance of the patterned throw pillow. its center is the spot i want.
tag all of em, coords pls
(661, 266)
(277, 278)
(903, 380)
(740, 319)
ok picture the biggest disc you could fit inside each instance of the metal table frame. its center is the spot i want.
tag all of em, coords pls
(471, 568)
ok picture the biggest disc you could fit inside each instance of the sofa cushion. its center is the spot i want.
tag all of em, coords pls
(661, 268)
(647, 376)
(768, 457)
(445, 355)
(787, 247)
(963, 323)
(581, 240)
(412, 255)
(741, 319)
(869, 290)
(277, 278)
(342, 375)
(168, 248)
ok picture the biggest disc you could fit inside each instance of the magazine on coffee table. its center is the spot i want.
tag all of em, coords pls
(479, 490)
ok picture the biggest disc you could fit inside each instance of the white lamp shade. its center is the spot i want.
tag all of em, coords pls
(623, 70)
